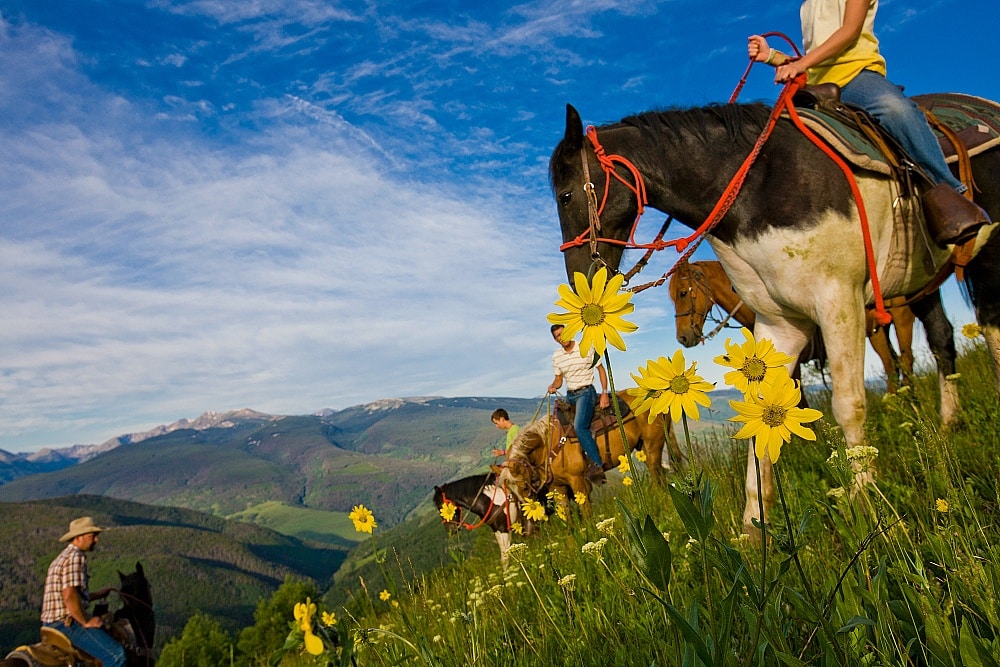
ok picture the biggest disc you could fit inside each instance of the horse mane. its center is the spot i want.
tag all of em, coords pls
(663, 129)
(741, 122)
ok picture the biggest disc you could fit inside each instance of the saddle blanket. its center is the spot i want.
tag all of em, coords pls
(975, 120)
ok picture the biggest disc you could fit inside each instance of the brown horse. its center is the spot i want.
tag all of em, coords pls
(542, 456)
(697, 287)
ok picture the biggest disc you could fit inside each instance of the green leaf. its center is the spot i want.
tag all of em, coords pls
(854, 622)
(658, 557)
(689, 514)
(688, 629)
(972, 649)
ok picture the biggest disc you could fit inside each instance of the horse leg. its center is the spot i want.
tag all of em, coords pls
(941, 341)
(503, 541)
(902, 321)
(879, 340)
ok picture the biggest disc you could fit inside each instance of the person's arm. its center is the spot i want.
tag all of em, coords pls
(847, 34)
(603, 400)
(556, 383)
(74, 606)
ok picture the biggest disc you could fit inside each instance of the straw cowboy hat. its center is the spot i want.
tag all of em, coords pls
(81, 526)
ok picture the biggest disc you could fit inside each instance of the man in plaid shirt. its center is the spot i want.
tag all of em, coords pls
(66, 596)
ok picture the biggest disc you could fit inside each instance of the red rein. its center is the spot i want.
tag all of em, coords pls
(725, 201)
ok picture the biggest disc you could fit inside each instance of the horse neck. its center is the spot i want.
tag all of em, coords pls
(721, 291)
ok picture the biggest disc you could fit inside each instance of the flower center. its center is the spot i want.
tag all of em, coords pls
(592, 314)
(754, 369)
(774, 415)
(679, 384)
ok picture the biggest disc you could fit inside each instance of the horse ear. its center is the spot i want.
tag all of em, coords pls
(138, 568)
(574, 128)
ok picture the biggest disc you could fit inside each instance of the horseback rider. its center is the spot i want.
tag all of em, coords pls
(579, 375)
(841, 49)
(66, 596)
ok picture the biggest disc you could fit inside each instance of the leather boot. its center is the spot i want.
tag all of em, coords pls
(950, 216)
(595, 473)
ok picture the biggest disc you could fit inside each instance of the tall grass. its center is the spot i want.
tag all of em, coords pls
(904, 571)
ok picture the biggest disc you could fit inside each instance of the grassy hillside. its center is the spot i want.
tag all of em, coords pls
(906, 571)
(195, 562)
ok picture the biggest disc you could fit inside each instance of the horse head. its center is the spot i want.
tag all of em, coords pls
(692, 301)
(578, 182)
(440, 498)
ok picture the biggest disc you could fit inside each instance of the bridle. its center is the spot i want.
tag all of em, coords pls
(698, 281)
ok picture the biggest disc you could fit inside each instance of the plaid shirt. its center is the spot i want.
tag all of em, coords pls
(68, 570)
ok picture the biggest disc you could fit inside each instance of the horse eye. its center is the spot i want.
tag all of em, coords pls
(565, 198)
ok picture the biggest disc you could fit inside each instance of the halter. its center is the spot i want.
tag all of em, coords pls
(462, 524)
(697, 279)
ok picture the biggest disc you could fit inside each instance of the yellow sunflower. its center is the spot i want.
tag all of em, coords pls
(597, 310)
(303, 612)
(623, 465)
(665, 387)
(753, 360)
(972, 330)
(534, 510)
(364, 520)
(772, 418)
(447, 510)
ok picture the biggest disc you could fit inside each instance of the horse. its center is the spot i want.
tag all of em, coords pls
(697, 287)
(542, 456)
(480, 495)
(133, 626)
(790, 239)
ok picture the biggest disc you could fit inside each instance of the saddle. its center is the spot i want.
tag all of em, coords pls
(54, 650)
(604, 418)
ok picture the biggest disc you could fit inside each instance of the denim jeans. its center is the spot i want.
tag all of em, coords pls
(901, 117)
(94, 641)
(585, 399)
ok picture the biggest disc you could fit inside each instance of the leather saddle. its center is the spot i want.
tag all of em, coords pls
(54, 650)
(604, 418)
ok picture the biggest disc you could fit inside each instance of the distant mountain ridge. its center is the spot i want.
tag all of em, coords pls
(387, 453)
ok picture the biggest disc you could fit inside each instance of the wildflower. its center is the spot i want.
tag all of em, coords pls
(448, 510)
(861, 453)
(303, 613)
(384, 595)
(533, 510)
(754, 361)
(597, 310)
(395, 604)
(561, 512)
(329, 618)
(436, 639)
(952, 377)
(627, 480)
(971, 330)
(517, 528)
(364, 520)
(664, 387)
(640, 455)
(772, 419)
(606, 526)
(517, 551)
(555, 496)
(580, 498)
(594, 548)
(941, 505)
(568, 582)
(623, 465)
(836, 492)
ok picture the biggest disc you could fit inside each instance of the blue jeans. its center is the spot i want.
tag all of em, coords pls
(901, 117)
(585, 399)
(94, 641)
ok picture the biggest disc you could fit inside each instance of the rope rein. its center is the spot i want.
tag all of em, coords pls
(688, 244)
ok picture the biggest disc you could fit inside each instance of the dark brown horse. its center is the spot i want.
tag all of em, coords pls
(698, 288)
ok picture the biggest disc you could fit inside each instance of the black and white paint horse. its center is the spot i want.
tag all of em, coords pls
(480, 496)
(791, 243)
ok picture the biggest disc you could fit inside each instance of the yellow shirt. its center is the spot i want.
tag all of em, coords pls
(820, 19)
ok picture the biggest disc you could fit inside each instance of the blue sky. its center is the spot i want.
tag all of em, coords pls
(297, 204)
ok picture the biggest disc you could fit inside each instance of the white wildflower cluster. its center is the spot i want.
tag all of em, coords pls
(607, 526)
(861, 453)
(568, 582)
(594, 548)
(836, 492)
(518, 551)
